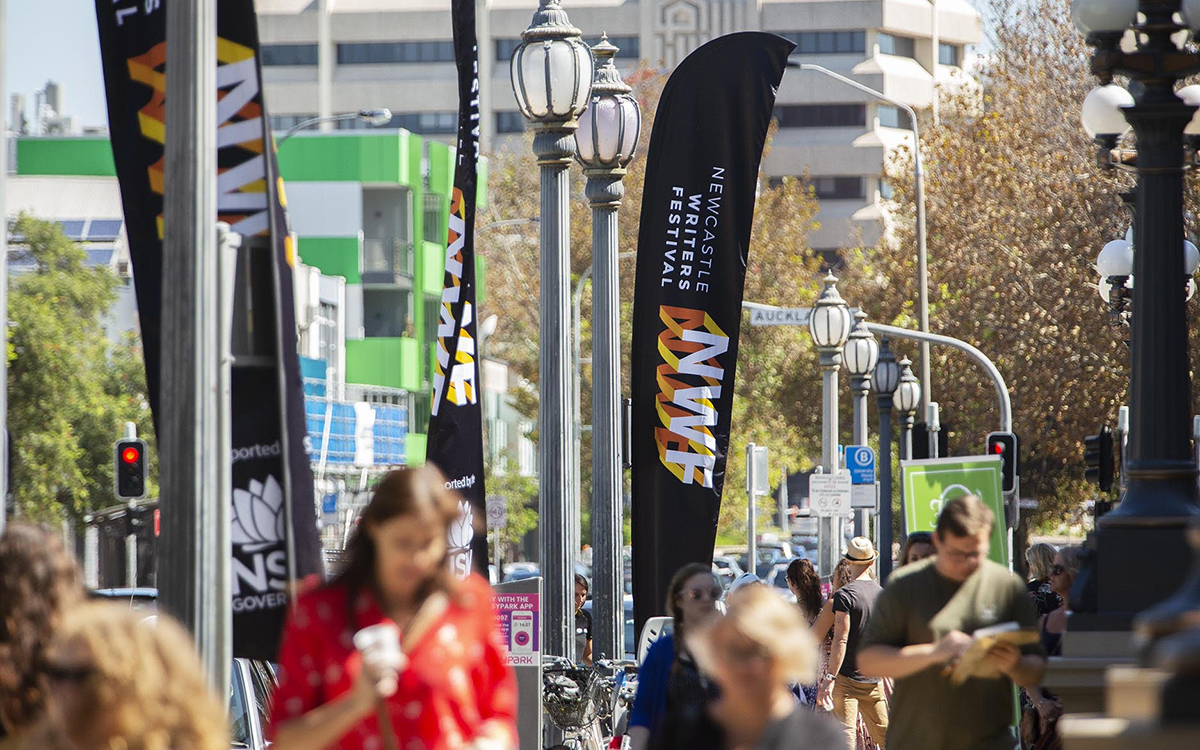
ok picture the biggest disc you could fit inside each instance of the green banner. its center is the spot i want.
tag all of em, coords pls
(929, 484)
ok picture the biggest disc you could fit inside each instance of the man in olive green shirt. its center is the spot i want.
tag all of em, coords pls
(921, 622)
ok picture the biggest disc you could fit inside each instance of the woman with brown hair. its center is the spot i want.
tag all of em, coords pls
(436, 678)
(120, 680)
(39, 580)
(669, 682)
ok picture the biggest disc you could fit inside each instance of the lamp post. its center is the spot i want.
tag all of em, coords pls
(860, 353)
(1162, 496)
(919, 199)
(829, 326)
(907, 400)
(552, 78)
(373, 117)
(884, 379)
(605, 142)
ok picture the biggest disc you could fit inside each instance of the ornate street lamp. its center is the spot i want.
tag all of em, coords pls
(829, 326)
(860, 353)
(605, 142)
(552, 80)
(884, 379)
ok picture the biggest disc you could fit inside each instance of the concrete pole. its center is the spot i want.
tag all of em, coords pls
(325, 62)
(4, 457)
(605, 190)
(933, 424)
(884, 522)
(859, 388)
(751, 511)
(194, 441)
(906, 430)
(830, 529)
(554, 146)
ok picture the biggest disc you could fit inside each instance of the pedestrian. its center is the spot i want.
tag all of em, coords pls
(822, 631)
(120, 680)
(1039, 559)
(853, 693)
(583, 622)
(805, 585)
(920, 623)
(917, 547)
(1041, 709)
(39, 582)
(447, 683)
(669, 682)
(754, 654)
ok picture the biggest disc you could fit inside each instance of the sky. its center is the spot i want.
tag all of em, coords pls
(54, 40)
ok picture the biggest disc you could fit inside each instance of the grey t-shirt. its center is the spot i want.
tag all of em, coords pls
(919, 605)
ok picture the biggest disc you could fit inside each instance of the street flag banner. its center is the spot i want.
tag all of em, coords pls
(456, 427)
(928, 484)
(273, 532)
(697, 209)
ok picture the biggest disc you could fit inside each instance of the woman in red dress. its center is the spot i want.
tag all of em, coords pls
(453, 689)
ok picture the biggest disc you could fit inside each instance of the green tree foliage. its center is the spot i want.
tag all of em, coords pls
(69, 393)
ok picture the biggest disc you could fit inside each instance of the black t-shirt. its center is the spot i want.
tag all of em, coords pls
(583, 632)
(856, 599)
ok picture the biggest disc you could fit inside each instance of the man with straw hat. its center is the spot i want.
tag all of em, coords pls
(854, 693)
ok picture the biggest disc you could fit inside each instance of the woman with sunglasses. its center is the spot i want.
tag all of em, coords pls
(1041, 708)
(670, 685)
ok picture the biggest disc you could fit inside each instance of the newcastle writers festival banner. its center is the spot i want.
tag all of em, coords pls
(456, 427)
(697, 207)
(268, 410)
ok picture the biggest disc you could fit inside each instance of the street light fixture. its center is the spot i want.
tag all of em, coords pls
(373, 117)
(604, 144)
(860, 353)
(907, 399)
(884, 379)
(552, 79)
(829, 326)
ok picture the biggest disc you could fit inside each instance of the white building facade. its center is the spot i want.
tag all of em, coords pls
(330, 56)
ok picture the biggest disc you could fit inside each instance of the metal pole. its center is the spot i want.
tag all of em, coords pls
(859, 388)
(933, 421)
(193, 581)
(4, 457)
(783, 502)
(829, 529)
(605, 190)
(905, 454)
(554, 147)
(575, 511)
(751, 515)
(884, 523)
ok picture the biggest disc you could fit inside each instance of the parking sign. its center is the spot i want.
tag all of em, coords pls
(860, 462)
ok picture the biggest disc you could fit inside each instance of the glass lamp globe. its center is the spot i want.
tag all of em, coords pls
(608, 129)
(861, 350)
(552, 68)
(1100, 16)
(1116, 259)
(886, 375)
(908, 394)
(1191, 95)
(1191, 257)
(830, 321)
(1101, 113)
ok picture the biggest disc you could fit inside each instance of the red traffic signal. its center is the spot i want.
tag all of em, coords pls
(1004, 445)
(130, 455)
(129, 472)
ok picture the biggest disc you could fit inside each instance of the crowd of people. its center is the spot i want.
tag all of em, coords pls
(396, 652)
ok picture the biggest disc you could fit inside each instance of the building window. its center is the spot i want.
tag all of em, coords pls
(948, 54)
(285, 122)
(828, 42)
(434, 225)
(891, 117)
(505, 49)
(886, 191)
(900, 46)
(821, 115)
(376, 53)
(386, 312)
(510, 122)
(288, 54)
(432, 310)
(839, 188)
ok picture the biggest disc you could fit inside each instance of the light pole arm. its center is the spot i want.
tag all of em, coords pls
(314, 121)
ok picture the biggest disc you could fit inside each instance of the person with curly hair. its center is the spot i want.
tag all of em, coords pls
(39, 580)
(121, 680)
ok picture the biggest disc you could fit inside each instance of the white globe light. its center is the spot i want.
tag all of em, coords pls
(1129, 234)
(1097, 16)
(1105, 289)
(1191, 95)
(1116, 259)
(1191, 288)
(1101, 112)
(1191, 258)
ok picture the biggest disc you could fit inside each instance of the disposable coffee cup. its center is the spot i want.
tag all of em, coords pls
(380, 648)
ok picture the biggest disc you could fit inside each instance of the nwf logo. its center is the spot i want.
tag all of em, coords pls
(689, 383)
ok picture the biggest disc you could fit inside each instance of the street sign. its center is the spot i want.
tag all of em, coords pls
(860, 462)
(929, 484)
(757, 465)
(830, 494)
(497, 512)
(784, 316)
(865, 496)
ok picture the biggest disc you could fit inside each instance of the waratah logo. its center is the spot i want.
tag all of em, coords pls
(258, 518)
(462, 531)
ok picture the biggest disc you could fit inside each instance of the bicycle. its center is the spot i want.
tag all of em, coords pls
(578, 698)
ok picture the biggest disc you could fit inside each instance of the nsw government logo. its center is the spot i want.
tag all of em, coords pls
(462, 533)
(259, 559)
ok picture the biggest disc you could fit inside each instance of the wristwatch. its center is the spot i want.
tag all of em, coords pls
(830, 677)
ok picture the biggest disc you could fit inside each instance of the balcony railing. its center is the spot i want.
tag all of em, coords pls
(387, 260)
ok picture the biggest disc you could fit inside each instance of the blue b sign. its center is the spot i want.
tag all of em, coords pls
(860, 462)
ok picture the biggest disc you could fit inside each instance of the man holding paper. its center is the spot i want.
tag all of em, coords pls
(920, 626)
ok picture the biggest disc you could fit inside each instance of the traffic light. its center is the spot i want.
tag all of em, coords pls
(129, 472)
(1004, 445)
(1098, 458)
(920, 441)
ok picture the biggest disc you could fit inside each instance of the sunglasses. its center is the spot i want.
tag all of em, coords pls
(1057, 570)
(695, 595)
(67, 672)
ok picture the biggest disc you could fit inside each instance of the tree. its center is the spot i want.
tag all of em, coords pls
(67, 398)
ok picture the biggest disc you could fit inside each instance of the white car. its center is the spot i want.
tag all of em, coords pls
(777, 580)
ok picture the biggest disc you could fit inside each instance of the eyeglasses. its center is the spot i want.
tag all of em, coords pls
(67, 673)
(696, 595)
(960, 556)
(1057, 570)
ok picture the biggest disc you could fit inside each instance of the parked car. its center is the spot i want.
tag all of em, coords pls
(727, 568)
(777, 580)
(519, 571)
(251, 682)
